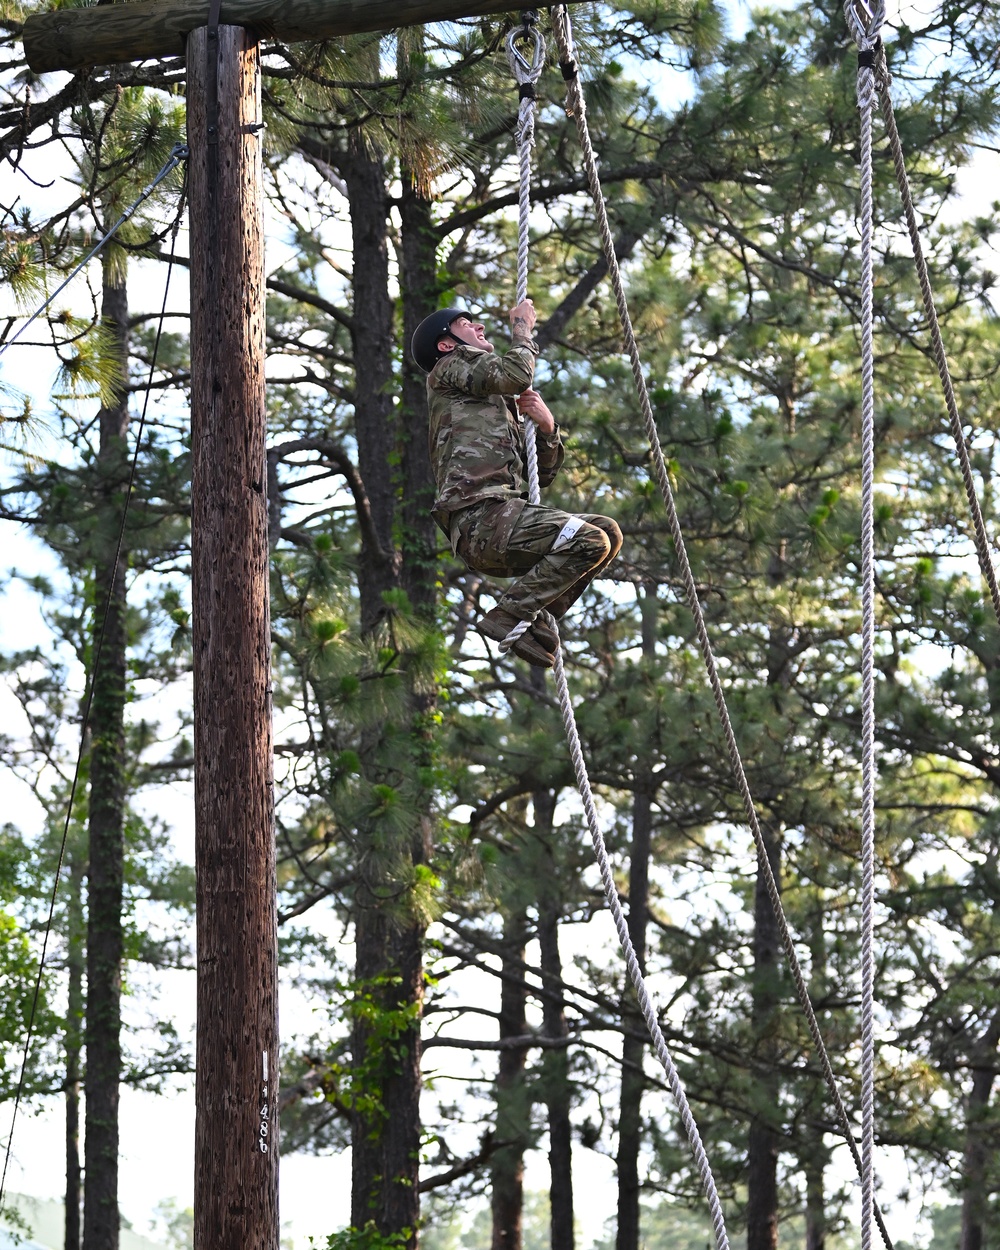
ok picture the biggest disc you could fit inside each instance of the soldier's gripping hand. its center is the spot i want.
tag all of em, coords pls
(522, 320)
(530, 404)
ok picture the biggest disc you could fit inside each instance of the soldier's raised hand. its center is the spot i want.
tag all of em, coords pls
(522, 318)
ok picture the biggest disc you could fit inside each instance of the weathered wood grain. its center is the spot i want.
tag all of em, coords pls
(114, 33)
(236, 1164)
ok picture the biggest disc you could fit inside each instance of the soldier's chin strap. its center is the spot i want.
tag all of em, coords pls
(447, 334)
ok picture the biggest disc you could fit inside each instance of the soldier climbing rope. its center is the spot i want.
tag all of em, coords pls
(864, 22)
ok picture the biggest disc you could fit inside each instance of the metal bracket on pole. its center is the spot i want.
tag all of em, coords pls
(212, 102)
(211, 226)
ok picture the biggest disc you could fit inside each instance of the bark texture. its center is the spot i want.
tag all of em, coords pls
(106, 814)
(555, 1063)
(815, 1205)
(979, 1141)
(512, 1097)
(418, 273)
(372, 341)
(236, 1196)
(816, 1155)
(764, 1139)
(633, 1045)
(385, 1132)
(157, 28)
(73, 1042)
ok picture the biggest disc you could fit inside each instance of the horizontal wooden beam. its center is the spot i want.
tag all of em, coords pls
(114, 33)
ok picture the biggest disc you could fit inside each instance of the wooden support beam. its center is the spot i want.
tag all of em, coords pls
(114, 33)
(236, 1157)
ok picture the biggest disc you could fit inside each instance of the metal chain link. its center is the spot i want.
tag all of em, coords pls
(577, 109)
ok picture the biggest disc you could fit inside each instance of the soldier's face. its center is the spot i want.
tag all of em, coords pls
(467, 331)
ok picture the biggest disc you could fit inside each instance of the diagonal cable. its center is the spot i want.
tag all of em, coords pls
(87, 704)
(937, 343)
(528, 72)
(178, 153)
(576, 106)
(864, 23)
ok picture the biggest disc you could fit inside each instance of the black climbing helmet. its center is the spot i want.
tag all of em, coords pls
(424, 344)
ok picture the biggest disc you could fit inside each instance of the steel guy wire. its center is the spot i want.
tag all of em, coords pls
(577, 109)
(178, 153)
(88, 702)
(981, 539)
(524, 138)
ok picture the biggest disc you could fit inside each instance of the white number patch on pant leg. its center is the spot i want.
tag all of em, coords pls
(566, 533)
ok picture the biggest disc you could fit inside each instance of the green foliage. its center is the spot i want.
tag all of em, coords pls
(367, 1238)
(450, 1229)
(413, 764)
(174, 1224)
(19, 973)
(384, 1019)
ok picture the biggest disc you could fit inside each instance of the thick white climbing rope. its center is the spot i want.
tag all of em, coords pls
(577, 109)
(864, 20)
(525, 71)
(631, 960)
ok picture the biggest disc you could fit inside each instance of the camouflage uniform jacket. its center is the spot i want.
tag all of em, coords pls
(476, 440)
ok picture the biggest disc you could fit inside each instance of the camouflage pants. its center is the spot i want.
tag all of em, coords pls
(554, 555)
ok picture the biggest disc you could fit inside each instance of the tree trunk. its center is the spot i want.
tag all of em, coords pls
(555, 1063)
(979, 1147)
(372, 337)
(106, 804)
(815, 1203)
(512, 1098)
(418, 281)
(236, 1094)
(385, 1141)
(817, 1153)
(764, 1140)
(633, 1045)
(976, 1156)
(389, 938)
(73, 1042)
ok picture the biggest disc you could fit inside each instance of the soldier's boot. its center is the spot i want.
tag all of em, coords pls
(545, 634)
(497, 624)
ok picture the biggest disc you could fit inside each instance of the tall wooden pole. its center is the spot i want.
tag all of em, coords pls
(236, 1158)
